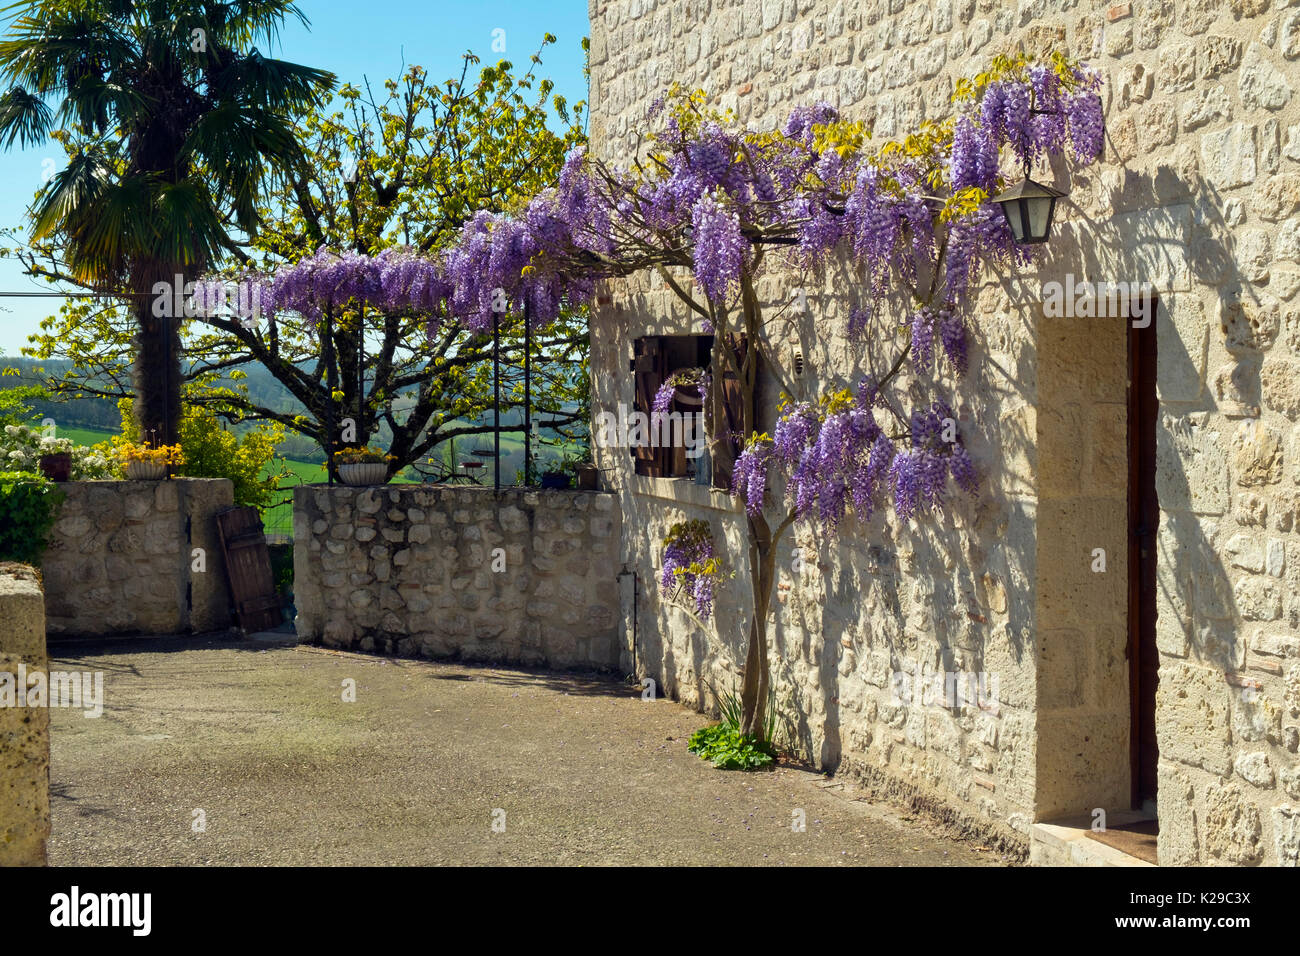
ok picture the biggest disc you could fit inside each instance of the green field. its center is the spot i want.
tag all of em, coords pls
(82, 436)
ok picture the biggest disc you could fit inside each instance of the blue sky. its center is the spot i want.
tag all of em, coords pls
(353, 41)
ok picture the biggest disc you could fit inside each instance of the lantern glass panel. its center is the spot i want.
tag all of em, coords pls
(1015, 219)
(1040, 216)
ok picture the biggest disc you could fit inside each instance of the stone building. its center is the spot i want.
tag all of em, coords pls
(1068, 418)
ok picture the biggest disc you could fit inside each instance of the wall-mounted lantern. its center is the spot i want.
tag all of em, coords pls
(1029, 207)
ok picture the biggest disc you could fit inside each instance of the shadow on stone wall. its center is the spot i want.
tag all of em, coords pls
(1170, 228)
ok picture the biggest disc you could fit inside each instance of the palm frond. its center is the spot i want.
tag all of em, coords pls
(246, 21)
(115, 229)
(24, 118)
(270, 84)
(188, 229)
(76, 187)
(94, 103)
(48, 51)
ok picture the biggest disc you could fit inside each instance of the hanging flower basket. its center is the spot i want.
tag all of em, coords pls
(364, 473)
(146, 470)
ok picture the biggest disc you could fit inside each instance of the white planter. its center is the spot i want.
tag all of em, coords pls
(364, 473)
(145, 471)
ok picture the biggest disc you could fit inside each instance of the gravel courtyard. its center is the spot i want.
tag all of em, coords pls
(256, 735)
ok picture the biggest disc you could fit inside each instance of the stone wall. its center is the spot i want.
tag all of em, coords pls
(1199, 193)
(121, 558)
(24, 731)
(520, 576)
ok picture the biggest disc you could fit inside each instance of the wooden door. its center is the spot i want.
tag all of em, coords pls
(733, 408)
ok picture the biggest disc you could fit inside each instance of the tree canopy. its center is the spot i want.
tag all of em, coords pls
(389, 180)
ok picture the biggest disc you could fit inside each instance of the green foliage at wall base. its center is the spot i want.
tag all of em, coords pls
(28, 507)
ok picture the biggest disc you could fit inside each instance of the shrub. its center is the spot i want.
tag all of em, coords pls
(729, 749)
(21, 448)
(28, 506)
(211, 451)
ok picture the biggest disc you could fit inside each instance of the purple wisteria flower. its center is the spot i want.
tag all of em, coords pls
(974, 156)
(749, 474)
(1087, 125)
(689, 559)
(663, 400)
(923, 338)
(718, 246)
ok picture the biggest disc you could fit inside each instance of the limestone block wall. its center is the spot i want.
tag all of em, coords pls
(24, 731)
(1198, 193)
(520, 576)
(121, 558)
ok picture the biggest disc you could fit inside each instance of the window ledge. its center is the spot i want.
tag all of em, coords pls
(682, 491)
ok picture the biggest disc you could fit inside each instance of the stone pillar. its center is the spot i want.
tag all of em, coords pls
(120, 558)
(209, 592)
(24, 731)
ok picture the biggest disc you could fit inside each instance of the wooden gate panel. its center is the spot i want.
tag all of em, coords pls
(248, 568)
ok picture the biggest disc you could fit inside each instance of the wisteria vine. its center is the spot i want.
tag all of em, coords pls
(707, 197)
(711, 200)
(690, 564)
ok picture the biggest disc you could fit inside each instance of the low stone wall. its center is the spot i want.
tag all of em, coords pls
(519, 576)
(121, 558)
(24, 731)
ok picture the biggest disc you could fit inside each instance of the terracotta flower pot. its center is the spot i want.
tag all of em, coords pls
(587, 477)
(57, 466)
(145, 470)
(364, 473)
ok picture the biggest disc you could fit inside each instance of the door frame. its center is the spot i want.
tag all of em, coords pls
(1143, 524)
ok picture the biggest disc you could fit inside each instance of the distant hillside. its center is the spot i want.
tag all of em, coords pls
(101, 414)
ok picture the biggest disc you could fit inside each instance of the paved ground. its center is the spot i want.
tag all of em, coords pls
(258, 737)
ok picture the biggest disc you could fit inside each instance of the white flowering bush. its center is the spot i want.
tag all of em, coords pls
(21, 448)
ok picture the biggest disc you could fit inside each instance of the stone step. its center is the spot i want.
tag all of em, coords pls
(1066, 842)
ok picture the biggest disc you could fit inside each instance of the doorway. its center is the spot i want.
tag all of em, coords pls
(1143, 522)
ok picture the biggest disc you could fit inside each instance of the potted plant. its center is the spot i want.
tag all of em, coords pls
(56, 466)
(363, 466)
(557, 475)
(569, 470)
(146, 463)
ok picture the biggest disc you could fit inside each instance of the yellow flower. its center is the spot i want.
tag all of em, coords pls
(162, 455)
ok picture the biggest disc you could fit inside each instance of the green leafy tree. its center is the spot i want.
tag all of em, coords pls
(174, 125)
(16, 397)
(406, 168)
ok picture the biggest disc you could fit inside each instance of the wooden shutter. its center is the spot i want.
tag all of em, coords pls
(648, 373)
(734, 412)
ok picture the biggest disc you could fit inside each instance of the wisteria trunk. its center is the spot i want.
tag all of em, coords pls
(762, 572)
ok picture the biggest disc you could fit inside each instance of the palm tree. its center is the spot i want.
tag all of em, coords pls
(175, 124)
